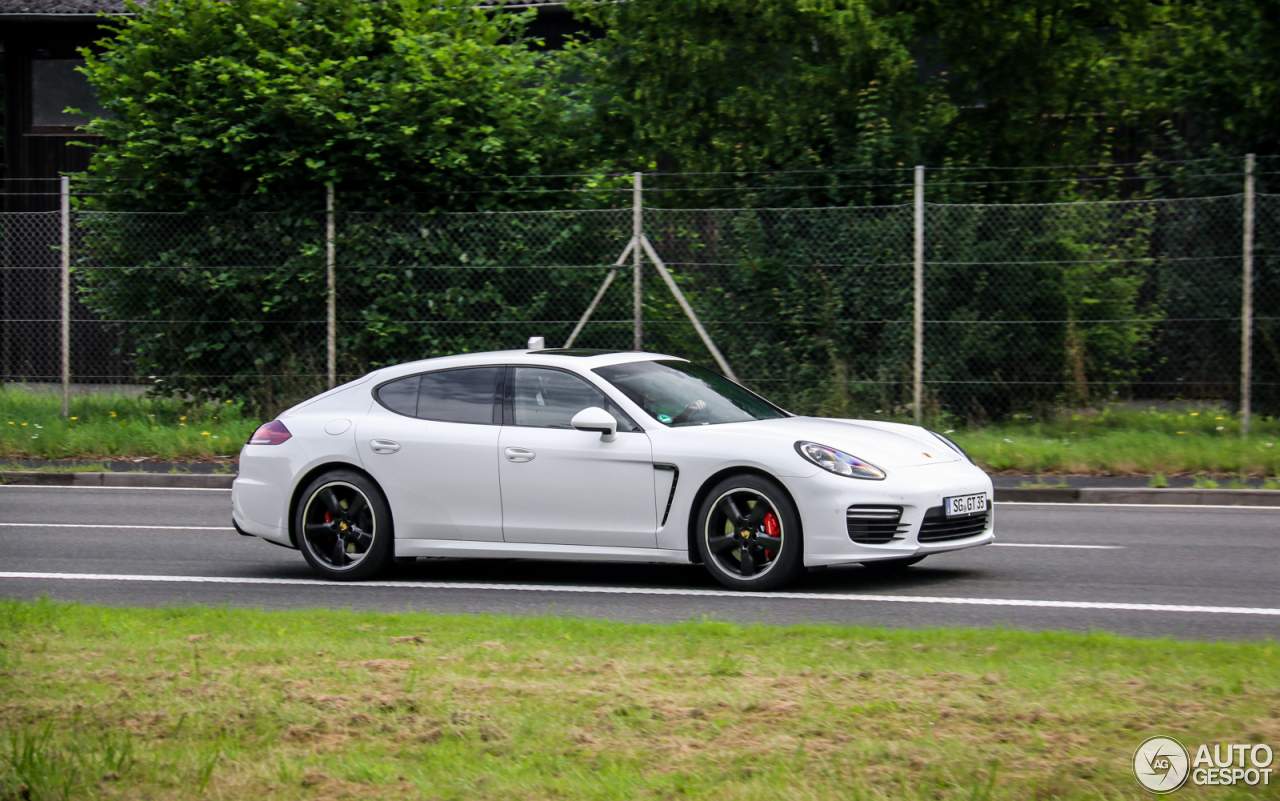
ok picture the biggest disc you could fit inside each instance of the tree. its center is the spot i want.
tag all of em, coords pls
(258, 103)
(240, 112)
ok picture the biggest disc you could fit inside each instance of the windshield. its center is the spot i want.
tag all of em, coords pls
(683, 394)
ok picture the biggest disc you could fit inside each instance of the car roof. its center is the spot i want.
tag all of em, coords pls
(578, 359)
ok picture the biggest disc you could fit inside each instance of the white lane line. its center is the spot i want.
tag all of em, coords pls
(135, 489)
(100, 525)
(1079, 505)
(229, 528)
(790, 596)
(1046, 545)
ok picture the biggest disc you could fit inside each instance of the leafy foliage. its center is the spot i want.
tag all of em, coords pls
(259, 103)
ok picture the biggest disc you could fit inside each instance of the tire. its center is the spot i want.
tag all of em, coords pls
(338, 543)
(891, 566)
(743, 503)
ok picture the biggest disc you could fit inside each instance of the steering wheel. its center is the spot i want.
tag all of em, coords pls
(689, 411)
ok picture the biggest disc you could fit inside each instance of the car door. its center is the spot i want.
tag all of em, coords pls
(431, 441)
(567, 487)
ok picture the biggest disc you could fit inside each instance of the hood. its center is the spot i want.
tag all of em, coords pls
(886, 445)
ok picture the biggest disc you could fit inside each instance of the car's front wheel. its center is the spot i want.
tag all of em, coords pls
(749, 534)
(343, 525)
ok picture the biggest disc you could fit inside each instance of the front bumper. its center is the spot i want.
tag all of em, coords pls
(824, 500)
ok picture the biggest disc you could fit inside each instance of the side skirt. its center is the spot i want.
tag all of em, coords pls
(522, 550)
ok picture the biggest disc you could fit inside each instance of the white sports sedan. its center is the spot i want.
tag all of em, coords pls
(598, 455)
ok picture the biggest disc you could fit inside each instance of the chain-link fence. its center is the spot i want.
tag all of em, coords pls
(1025, 307)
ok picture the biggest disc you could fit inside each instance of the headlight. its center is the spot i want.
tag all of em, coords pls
(952, 445)
(838, 462)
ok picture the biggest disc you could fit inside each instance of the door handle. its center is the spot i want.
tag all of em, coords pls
(384, 446)
(519, 455)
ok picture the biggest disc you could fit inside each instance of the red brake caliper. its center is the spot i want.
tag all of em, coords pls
(328, 518)
(771, 528)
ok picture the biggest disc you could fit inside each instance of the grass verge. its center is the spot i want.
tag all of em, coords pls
(1111, 442)
(1127, 443)
(116, 427)
(196, 702)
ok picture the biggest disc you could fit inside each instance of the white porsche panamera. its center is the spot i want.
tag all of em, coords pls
(598, 455)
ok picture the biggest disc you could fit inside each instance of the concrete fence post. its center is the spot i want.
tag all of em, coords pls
(1246, 302)
(66, 295)
(331, 313)
(917, 378)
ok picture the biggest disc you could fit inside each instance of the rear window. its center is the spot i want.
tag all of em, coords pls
(452, 396)
(459, 396)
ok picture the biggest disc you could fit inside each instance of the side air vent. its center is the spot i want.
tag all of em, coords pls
(874, 525)
(671, 496)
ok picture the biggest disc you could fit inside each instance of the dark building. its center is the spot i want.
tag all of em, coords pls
(42, 39)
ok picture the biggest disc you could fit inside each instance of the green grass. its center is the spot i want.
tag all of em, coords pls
(1110, 442)
(1120, 443)
(116, 427)
(194, 702)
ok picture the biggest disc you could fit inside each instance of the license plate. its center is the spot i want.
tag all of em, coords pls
(965, 504)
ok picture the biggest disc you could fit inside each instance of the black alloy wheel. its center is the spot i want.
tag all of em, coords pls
(343, 525)
(749, 534)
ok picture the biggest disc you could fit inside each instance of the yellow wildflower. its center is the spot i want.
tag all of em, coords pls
(204, 433)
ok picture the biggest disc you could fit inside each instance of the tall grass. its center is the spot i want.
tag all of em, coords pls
(1112, 441)
(1127, 442)
(118, 427)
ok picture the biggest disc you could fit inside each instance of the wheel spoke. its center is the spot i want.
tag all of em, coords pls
(757, 513)
(339, 555)
(355, 506)
(319, 529)
(722, 544)
(363, 537)
(770, 543)
(330, 500)
(731, 510)
(748, 562)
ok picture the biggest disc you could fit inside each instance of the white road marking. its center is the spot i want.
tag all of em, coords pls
(229, 528)
(790, 596)
(108, 526)
(1047, 545)
(1079, 505)
(1000, 503)
(135, 489)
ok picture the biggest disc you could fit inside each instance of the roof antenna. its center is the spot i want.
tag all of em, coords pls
(537, 343)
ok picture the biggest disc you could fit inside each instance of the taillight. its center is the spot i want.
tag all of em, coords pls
(272, 433)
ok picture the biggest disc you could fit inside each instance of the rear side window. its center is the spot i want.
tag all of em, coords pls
(459, 396)
(400, 396)
(451, 396)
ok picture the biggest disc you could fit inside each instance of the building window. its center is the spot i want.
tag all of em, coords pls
(56, 85)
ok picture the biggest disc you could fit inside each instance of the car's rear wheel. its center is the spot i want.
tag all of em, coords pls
(749, 534)
(890, 566)
(343, 525)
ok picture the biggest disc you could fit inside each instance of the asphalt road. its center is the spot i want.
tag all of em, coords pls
(1183, 572)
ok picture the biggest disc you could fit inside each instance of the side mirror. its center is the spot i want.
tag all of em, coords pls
(593, 418)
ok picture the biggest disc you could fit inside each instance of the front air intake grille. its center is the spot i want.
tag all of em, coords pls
(938, 527)
(874, 525)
